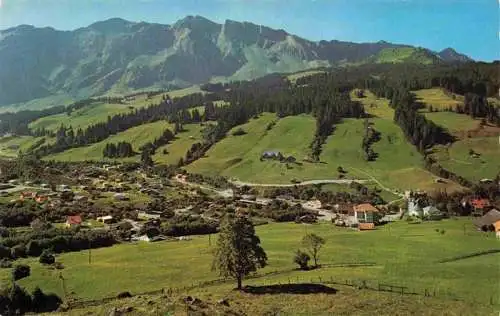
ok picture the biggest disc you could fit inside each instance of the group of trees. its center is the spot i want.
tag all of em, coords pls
(15, 300)
(119, 150)
(370, 136)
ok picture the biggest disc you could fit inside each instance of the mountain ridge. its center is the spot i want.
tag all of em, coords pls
(117, 56)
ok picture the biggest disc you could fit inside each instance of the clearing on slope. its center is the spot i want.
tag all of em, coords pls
(473, 158)
(91, 114)
(137, 136)
(171, 153)
(398, 164)
(438, 98)
(240, 156)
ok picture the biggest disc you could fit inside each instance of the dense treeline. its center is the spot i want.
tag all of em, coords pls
(168, 109)
(119, 150)
(34, 242)
(370, 136)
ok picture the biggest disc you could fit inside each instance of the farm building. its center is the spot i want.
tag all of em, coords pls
(489, 221)
(271, 155)
(73, 221)
(105, 219)
(364, 213)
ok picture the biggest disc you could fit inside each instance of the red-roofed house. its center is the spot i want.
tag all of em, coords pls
(364, 213)
(26, 195)
(72, 221)
(480, 206)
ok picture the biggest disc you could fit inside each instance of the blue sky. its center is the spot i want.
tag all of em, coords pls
(469, 26)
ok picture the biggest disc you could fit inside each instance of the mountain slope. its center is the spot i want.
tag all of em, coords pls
(117, 56)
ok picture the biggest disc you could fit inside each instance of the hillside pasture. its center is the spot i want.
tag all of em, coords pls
(178, 148)
(453, 122)
(438, 98)
(239, 156)
(137, 136)
(456, 158)
(10, 146)
(399, 254)
(91, 114)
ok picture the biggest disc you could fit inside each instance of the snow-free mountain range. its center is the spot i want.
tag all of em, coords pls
(118, 56)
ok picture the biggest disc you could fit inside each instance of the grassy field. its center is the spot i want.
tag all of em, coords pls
(98, 112)
(178, 148)
(95, 113)
(452, 121)
(456, 158)
(239, 156)
(346, 301)
(11, 146)
(403, 254)
(293, 77)
(438, 98)
(399, 165)
(137, 136)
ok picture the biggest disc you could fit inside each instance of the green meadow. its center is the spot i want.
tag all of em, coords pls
(400, 254)
(398, 166)
(137, 136)
(457, 159)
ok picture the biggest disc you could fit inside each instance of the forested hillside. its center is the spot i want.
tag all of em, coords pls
(317, 110)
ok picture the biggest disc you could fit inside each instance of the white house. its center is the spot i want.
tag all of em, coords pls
(414, 209)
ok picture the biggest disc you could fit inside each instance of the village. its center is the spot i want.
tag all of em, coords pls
(139, 207)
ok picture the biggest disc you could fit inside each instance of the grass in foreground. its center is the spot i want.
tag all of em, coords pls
(404, 254)
(346, 301)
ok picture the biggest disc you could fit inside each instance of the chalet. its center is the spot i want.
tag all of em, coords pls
(497, 228)
(107, 219)
(480, 206)
(146, 216)
(364, 213)
(271, 155)
(120, 197)
(27, 195)
(488, 222)
(73, 221)
(40, 199)
(366, 226)
(80, 198)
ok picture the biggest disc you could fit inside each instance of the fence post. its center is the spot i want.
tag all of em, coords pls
(319, 279)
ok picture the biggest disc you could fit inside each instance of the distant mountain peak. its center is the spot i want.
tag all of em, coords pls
(113, 25)
(451, 55)
(119, 56)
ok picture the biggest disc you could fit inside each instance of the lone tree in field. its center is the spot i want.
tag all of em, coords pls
(238, 249)
(313, 243)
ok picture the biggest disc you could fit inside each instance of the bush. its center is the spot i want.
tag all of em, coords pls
(239, 132)
(20, 272)
(5, 263)
(18, 251)
(302, 259)
(47, 257)
(42, 302)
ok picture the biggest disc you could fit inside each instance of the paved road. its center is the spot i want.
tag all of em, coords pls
(309, 182)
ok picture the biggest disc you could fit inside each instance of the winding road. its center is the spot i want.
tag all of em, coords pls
(309, 182)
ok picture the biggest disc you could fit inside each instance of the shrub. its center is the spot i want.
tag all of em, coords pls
(21, 271)
(5, 263)
(18, 251)
(302, 259)
(42, 302)
(239, 132)
(124, 295)
(47, 257)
